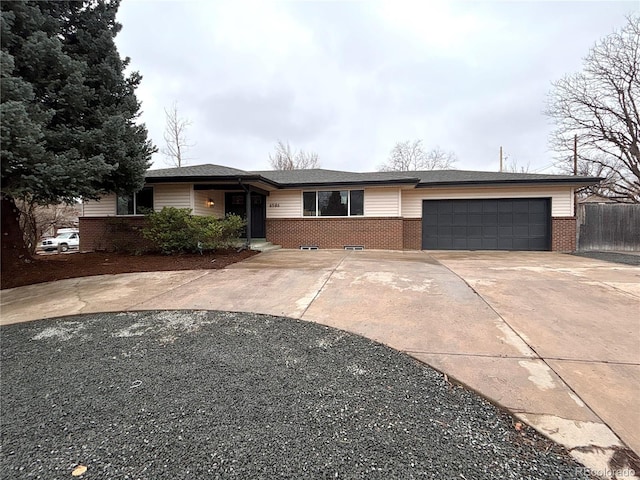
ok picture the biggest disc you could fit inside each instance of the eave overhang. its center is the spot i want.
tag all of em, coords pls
(581, 182)
(364, 183)
(236, 179)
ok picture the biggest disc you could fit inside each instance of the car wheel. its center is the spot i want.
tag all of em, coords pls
(64, 247)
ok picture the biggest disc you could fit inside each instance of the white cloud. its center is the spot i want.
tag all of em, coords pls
(349, 79)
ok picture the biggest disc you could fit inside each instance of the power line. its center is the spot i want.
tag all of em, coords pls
(541, 169)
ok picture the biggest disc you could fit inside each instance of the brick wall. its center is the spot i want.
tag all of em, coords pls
(112, 233)
(563, 234)
(375, 233)
(387, 233)
(412, 234)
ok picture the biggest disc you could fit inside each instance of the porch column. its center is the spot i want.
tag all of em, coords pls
(248, 206)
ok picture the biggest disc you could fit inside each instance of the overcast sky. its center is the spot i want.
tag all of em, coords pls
(350, 79)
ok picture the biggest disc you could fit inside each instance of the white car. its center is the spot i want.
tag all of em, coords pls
(62, 241)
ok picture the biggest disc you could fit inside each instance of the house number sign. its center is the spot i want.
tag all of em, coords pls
(274, 205)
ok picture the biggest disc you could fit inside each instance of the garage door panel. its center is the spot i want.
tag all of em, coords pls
(505, 218)
(488, 224)
(459, 231)
(460, 219)
(505, 243)
(488, 206)
(538, 231)
(430, 219)
(505, 231)
(445, 230)
(431, 244)
(460, 244)
(475, 207)
(490, 231)
(474, 231)
(538, 207)
(538, 218)
(444, 241)
(460, 208)
(490, 243)
(521, 243)
(475, 219)
(489, 219)
(538, 243)
(445, 219)
(505, 207)
(445, 207)
(475, 244)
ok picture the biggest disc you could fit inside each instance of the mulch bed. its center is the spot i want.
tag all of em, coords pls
(46, 268)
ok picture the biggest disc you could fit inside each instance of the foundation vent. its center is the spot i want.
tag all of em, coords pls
(308, 247)
(354, 247)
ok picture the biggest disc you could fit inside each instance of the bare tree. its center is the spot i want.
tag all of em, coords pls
(175, 137)
(285, 158)
(512, 165)
(410, 156)
(37, 220)
(601, 105)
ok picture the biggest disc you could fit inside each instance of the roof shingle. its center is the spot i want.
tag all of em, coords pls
(319, 176)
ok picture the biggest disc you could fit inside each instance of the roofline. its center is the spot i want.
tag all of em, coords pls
(363, 183)
(416, 182)
(519, 181)
(211, 178)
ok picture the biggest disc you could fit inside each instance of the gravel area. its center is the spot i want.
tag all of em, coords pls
(616, 257)
(192, 394)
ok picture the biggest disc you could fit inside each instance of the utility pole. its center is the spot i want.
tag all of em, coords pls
(500, 157)
(575, 172)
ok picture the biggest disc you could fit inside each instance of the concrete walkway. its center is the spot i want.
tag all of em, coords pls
(554, 338)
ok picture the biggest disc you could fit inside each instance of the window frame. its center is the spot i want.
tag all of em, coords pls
(317, 191)
(135, 202)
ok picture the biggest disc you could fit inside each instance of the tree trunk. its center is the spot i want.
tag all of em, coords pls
(14, 251)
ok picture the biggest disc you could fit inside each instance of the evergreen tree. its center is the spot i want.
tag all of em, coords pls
(68, 112)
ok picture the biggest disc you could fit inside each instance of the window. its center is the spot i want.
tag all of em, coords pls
(357, 202)
(140, 203)
(309, 204)
(333, 203)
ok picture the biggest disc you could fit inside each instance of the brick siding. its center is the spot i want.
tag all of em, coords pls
(112, 234)
(412, 234)
(563, 234)
(384, 233)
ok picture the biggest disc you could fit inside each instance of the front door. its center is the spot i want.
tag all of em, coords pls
(235, 203)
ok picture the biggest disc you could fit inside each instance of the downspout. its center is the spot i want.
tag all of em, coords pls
(248, 211)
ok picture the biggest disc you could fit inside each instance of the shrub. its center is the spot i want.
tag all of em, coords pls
(232, 226)
(174, 230)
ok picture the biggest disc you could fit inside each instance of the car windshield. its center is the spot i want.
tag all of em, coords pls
(65, 235)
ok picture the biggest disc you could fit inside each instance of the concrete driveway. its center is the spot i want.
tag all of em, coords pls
(554, 338)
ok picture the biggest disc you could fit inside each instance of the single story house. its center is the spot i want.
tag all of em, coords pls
(446, 209)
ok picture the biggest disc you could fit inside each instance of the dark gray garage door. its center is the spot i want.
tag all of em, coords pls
(496, 224)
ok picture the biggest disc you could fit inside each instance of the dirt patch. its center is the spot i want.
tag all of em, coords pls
(46, 268)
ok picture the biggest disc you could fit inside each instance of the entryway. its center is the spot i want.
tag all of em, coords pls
(235, 202)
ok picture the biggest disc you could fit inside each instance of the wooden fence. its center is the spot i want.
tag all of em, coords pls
(608, 227)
